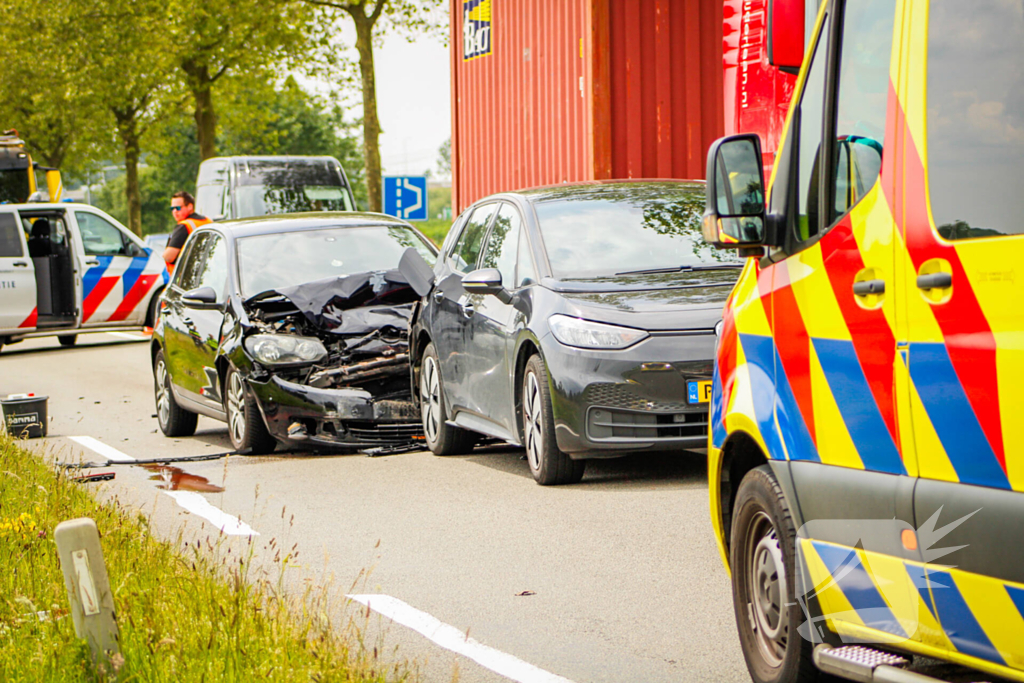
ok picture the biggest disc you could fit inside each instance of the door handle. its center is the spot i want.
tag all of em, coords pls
(438, 296)
(935, 281)
(869, 287)
(20, 264)
(92, 262)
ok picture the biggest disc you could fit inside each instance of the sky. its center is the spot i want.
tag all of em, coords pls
(413, 101)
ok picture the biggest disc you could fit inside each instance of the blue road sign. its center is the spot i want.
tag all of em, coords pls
(406, 197)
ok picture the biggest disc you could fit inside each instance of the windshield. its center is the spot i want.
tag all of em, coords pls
(286, 259)
(13, 186)
(601, 230)
(261, 200)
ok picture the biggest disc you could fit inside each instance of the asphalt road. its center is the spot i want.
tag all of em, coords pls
(627, 582)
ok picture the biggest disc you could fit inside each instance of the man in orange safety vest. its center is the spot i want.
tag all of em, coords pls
(183, 208)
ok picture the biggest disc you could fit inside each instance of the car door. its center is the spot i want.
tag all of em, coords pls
(117, 277)
(491, 328)
(829, 297)
(17, 277)
(450, 321)
(964, 323)
(192, 331)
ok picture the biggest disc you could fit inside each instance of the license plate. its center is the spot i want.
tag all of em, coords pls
(699, 391)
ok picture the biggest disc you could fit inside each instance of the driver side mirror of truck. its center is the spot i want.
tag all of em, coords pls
(734, 213)
(786, 34)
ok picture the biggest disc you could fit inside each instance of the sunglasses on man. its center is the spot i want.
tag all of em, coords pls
(177, 208)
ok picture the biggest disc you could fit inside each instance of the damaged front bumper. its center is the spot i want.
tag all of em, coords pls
(297, 414)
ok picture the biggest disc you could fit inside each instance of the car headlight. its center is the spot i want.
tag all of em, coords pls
(585, 334)
(283, 349)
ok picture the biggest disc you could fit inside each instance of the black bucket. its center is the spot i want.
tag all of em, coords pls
(25, 416)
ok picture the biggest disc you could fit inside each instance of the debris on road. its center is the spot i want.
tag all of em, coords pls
(525, 593)
(149, 461)
(93, 477)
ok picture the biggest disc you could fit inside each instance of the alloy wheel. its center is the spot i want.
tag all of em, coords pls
(532, 416)
(163, 393)
(430, 399)
(766, 589)
(236, 408)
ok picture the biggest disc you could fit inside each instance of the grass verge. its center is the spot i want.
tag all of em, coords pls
(182, 615)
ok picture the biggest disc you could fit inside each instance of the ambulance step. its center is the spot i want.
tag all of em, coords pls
(866, 664)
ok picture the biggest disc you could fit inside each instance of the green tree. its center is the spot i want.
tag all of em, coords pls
(372, 20)
(215, 38)
(444, 158)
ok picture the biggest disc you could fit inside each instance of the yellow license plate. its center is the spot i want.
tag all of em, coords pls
(699, 391)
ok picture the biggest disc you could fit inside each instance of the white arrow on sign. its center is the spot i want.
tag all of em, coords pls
(419, 198)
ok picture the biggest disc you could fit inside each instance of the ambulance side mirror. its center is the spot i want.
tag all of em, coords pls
(786, 34)
(734, 213)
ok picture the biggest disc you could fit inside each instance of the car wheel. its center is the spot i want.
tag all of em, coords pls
(442, 438)
(172, 418)
(763, 578)
(154, 310)
(67, 339)
(548, 464)
(245, 423)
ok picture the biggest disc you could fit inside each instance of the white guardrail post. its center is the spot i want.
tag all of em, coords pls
(85, 577)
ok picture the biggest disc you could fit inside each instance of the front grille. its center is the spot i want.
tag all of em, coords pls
(628, 397)
(607, 424)
(385, 433)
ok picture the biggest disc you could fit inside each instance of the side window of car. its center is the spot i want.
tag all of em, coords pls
(215, 271)
(975, 132)
(502, 244)
(190, 268)
(10, 240)
(862, 99)
(99, 236)
(526, 272)
(808, 139)
(467, 249)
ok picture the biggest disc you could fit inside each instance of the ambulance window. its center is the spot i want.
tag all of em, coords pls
(976, 117)
(99, 236)
(863, 97)
(10, 240)
(809, 139)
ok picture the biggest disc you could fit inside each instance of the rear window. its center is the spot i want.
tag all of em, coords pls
(976, 117)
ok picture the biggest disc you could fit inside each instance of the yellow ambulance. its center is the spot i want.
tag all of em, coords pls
(866, 446)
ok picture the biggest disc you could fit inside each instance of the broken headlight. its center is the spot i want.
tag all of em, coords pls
(282, 349)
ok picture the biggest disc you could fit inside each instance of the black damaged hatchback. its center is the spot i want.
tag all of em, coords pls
(293, 330)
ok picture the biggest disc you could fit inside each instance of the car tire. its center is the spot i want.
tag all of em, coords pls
(762, 545)
(246, 428)
(172, 418)
(154, 309)
(441, 437)
(67, 339)
(548, 464)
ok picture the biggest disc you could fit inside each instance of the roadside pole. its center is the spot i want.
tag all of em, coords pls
(85, 577)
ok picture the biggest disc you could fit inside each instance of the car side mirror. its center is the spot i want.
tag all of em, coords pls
(486, 281)
(786, 34)
(200, 297)
(734, 213)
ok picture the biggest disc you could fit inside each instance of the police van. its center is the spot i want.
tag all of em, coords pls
(866, 446)
(70, 268)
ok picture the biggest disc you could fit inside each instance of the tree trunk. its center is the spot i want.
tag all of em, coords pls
(127, 128)
(201, 85)
(371, 124)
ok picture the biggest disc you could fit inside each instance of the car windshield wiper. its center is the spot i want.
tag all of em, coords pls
(682, 269)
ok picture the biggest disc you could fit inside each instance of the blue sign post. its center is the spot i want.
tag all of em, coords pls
(406, 197)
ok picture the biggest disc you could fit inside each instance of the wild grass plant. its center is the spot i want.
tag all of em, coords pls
(191, 610)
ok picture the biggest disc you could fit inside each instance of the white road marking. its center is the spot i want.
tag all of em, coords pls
(125, 335)
(197, 505)
(109, 452)
(189, 500)
(455, 640)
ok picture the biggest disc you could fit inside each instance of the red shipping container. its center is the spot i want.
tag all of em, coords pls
(554, 91)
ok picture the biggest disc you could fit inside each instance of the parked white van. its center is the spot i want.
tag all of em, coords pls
(70, 268)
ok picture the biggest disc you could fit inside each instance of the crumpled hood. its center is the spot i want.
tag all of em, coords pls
(352, 304)
(662, 301)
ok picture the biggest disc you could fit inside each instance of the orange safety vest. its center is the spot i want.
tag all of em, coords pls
(190, 225)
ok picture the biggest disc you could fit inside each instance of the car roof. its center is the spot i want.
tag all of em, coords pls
(291, 222)
(270, 157)
(549, 192)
